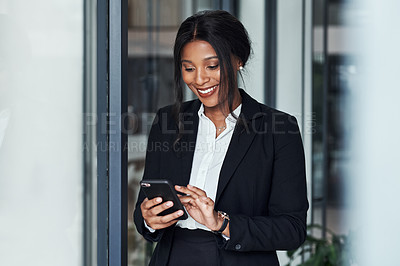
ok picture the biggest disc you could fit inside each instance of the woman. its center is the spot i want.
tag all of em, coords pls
(239, 163)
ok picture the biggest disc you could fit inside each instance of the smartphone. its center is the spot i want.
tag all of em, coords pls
(163, 188)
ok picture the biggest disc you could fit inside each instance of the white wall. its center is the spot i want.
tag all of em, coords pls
(41, 174)
(289, 57)
(252, 15)
(375, 142)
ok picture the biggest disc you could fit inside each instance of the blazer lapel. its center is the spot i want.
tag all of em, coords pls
(188, 142)
(242, 138)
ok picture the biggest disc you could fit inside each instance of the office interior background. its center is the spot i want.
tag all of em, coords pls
(81, 80)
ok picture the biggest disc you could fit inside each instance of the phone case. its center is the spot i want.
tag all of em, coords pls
(163, 188)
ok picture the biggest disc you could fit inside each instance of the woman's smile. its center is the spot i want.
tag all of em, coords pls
(207, 92)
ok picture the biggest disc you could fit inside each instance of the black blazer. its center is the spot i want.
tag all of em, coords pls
(262, 183)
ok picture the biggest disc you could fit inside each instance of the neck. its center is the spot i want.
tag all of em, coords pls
(218, 113)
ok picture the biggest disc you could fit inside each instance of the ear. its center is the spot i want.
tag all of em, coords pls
(239, 65)
(237, 62)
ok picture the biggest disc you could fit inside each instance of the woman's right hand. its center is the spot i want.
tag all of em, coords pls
(151, 209)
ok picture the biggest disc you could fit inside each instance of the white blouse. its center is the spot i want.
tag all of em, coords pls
(208, 157)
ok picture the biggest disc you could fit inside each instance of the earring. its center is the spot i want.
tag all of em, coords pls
(240, 68)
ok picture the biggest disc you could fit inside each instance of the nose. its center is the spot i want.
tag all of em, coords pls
(201, 77)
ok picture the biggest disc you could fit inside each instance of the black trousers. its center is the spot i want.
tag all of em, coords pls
(194, 248)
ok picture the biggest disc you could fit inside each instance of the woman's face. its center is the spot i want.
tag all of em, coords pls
(201, 71)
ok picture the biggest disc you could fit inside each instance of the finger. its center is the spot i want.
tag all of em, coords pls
(144, 201)
(160, 208)
(187, 192)
(185, 200)
(144, 204)
(183, 190)
(148, 204)
(190, 200)
(191, 192)
(171, 217)
(190, 204)
(198, 191)
(159, 222)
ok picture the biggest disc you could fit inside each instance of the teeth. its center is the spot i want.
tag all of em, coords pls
(208, 90)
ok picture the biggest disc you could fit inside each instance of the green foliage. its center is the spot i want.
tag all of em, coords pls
(334, 250)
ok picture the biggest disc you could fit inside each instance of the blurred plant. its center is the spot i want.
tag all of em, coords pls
(334, 250)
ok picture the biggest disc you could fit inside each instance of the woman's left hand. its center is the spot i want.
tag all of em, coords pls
(199, 206)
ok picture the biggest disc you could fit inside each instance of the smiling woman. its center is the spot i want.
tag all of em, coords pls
(210, 45)
(238, 163)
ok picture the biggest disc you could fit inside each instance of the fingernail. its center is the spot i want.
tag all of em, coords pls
(180, 213)
(189, 186)
(169, 203)
(178, 186)
(158, 199)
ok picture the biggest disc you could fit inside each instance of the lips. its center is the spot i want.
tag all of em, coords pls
(207, 91)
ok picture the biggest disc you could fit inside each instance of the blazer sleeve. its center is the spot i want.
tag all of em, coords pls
(284, 228)
(151, 171)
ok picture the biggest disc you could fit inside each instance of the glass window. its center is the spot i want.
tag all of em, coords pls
(337, 68)
(152, 27)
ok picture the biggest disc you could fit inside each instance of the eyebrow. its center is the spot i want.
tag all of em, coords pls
(205, 59)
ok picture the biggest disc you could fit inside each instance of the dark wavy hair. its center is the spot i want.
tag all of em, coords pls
(227, 35)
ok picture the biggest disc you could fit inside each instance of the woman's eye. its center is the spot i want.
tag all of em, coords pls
(189, 69)
(213, 67)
